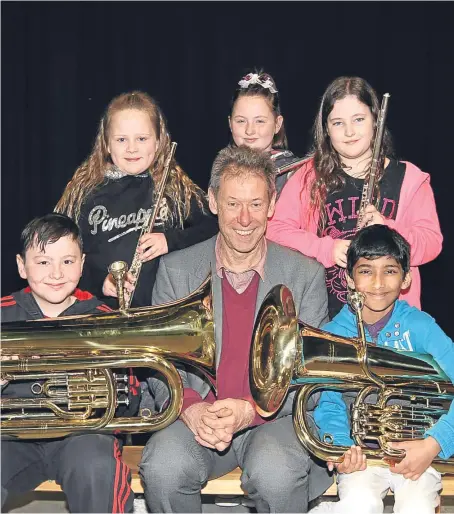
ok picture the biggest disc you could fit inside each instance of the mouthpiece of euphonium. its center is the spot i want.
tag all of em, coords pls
(118, 270)
(356, 300)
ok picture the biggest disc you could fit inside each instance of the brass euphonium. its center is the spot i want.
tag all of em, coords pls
(288, 354)
(69, 361)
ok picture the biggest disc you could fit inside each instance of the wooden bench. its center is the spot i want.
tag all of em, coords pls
(228, 484)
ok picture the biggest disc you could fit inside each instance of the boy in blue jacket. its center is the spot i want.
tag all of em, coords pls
(378, 265)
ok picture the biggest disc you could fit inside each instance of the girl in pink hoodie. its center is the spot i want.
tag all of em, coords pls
(317, 211)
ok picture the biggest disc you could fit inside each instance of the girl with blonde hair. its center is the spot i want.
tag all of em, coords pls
(113, 192)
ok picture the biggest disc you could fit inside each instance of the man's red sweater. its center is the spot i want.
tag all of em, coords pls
(237, 325)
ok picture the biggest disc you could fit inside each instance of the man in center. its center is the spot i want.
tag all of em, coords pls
(215, 434)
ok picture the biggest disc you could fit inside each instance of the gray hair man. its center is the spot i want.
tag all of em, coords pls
(217, 433)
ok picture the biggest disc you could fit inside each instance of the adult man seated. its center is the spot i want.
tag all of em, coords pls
(215, 434)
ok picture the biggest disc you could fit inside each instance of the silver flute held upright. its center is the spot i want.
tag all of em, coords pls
(369, 183)
(148, 226)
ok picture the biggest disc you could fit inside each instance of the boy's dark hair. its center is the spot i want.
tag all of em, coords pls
(378, 241)
(48, 229)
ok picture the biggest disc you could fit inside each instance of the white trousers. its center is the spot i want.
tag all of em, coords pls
(362, 492)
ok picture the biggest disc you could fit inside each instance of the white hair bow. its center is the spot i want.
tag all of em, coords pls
(253, 78)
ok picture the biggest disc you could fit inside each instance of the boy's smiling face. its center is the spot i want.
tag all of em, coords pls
(52, 274)
(381, 280)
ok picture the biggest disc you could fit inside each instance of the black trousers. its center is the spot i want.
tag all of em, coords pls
(88, 467)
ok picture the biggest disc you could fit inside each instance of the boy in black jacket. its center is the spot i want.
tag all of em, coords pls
(88, 467)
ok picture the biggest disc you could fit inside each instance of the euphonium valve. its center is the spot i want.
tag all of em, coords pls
(118, 270)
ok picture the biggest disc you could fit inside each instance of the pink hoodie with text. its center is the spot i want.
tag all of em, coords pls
(295, 225)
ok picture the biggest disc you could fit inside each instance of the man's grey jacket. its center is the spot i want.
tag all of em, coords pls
(182, 272)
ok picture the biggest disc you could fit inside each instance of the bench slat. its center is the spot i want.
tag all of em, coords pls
(227, 484)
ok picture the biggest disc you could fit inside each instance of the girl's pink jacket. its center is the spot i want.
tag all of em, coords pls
(295, 225)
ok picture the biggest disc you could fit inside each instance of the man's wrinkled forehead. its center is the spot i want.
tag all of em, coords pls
(237, 177)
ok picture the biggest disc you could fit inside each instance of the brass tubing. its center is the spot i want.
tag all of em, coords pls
(32, 429)
(59, 427)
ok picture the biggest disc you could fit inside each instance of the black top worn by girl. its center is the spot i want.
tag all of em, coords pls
(341, 209)
(111, 221)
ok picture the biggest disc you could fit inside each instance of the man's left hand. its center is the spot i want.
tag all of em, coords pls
(419, 456)
(233, 416)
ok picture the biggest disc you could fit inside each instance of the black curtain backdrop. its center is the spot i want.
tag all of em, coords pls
(63, 62)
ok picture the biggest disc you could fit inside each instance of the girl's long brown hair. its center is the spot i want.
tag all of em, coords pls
(91, 173)
(327, 162)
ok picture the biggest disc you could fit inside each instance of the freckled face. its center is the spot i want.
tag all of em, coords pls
(132, 142)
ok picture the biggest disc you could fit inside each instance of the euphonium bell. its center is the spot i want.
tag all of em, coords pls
(287, 354)
(71, 361)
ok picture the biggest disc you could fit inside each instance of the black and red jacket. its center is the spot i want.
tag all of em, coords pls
(22, 306)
